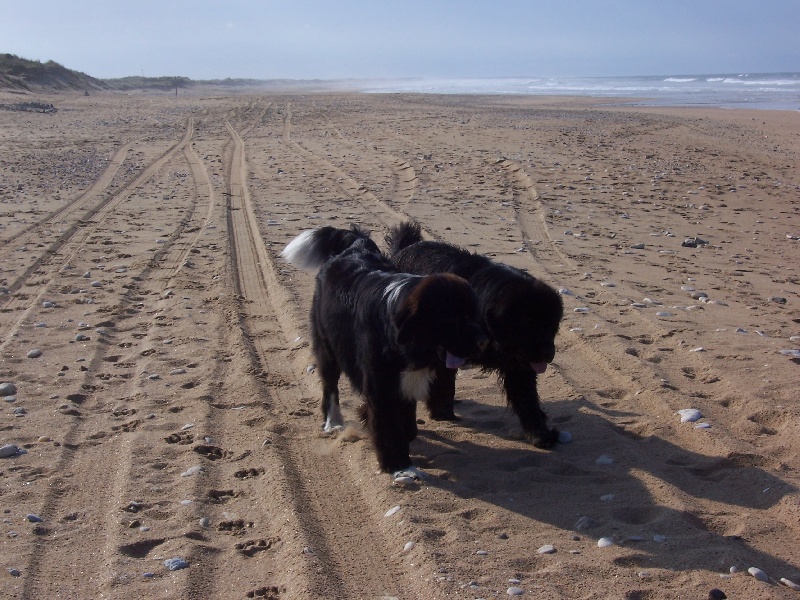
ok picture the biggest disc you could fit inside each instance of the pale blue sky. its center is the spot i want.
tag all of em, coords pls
(306, 39)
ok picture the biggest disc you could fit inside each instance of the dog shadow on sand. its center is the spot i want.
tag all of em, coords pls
(606, 483)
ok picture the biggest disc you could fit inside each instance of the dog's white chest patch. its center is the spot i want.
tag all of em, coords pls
(415, 384)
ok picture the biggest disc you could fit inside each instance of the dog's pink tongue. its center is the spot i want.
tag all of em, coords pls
(453, 362)
(539, 367)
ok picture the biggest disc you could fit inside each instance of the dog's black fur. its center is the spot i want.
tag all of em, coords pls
(520, 314)
(387, 331)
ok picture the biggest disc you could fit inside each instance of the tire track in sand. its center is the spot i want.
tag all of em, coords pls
(344, 559)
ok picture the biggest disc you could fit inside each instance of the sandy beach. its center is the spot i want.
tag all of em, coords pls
(163, 402)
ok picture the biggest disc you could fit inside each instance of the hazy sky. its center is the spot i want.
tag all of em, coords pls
(307, 39)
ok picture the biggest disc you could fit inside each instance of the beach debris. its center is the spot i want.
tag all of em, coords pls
(175, 564)
(604, 459)
(689, 415)
(758, 574)
(192, 471)
(392, 511)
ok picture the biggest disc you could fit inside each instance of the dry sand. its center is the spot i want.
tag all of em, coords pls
(152, 226)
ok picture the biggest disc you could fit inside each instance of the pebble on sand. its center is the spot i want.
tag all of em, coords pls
(547, 549)
(689, 415)
(7, 389)
(515, 591)
(790, 584)
(8, 450)
(758, 574)
(605, 542)
(35, 353)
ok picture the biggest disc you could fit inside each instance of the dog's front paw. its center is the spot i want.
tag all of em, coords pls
(543, 439)
(408, 475)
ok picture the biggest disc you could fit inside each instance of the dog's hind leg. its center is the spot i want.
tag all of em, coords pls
(329, 373)
(441, 395)
(523, 397)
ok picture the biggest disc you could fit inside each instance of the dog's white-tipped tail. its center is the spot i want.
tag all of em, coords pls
(301, 252)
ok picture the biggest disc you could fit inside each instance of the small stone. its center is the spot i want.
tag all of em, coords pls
(482, 553)
(790, 584)
(43, 438)
(14, 572)
(547, 549)
(8, 450)
(33, 518)
(605, 542)
(716, 594)
(758, 574)
(564, 437)
(392, 511)
(47, 304)
(605, 459)
(581, 309)
(689, 415)
(408, 546)
(35, 353)
(204, 522)
(639, 246)
(515, 591)
(81, 338)
(659, 539)
(7, 389)
(177, 371)
(777, 299)
(96, 284)
(174, 564)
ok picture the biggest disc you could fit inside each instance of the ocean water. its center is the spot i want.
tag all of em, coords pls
(768, 91)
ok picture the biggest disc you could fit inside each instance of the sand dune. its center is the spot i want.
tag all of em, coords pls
(173, 410)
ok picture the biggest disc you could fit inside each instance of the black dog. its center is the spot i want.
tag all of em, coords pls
(387, 331)
(520, 313)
